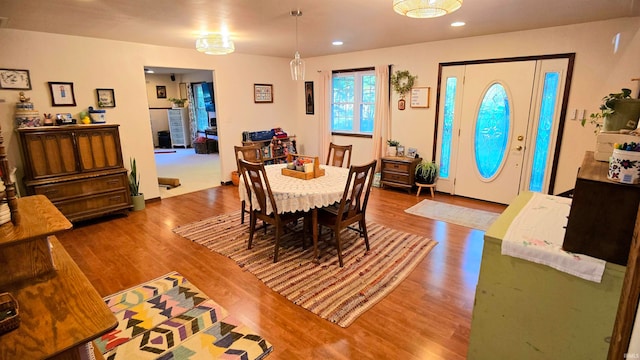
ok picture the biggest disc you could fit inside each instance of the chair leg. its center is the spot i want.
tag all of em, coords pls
(363, 226)
(252, 227)
(339, 246)
(277, 247)
(242, 212)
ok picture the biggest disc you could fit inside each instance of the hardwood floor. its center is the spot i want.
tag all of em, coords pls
(427, 316)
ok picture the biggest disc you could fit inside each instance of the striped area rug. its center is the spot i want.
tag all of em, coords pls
(336, 294)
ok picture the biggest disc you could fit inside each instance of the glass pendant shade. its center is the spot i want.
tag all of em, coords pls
(297, 67)
(215, 44)
(425, 8)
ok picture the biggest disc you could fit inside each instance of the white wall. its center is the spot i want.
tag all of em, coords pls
(598, 71)
(95, 63)
(118, 65)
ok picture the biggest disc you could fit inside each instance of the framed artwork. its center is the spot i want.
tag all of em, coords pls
(262, 93)
(420, 97)
(62, 94)
(106, 98)
(308, 96)
(400, 151)
(161, 92)
(15, 79)
(411, 153)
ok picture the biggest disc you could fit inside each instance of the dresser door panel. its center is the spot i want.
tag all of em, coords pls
(51, 154)
(98, 150)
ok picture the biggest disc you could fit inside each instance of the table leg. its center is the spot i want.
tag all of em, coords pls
(314, 231)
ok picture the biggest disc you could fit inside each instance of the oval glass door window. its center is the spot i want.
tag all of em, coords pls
(492, 131)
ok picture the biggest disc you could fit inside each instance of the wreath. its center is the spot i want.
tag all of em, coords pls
(402, 81)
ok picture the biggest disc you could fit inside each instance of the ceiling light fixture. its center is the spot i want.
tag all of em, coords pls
(425, 8)
(297, 64)
(337, 43)
(215, 44)
(458, 23)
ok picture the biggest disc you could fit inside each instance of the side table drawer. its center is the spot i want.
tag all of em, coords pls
(395, 166)
(79, 206)
(58, 191)
(395, 177)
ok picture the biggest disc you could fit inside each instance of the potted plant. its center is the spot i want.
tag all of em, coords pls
(177, 103)
(392, 146)
(134, 186)
(426, 172)
(619, 111)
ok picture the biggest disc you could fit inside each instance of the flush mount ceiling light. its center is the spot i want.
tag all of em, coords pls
(215, 44)
(425, 8)
(297, 64)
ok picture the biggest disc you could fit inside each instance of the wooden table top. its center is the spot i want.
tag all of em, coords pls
(38, 218)
(57, 312)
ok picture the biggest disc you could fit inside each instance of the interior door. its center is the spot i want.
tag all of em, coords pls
(496, 107)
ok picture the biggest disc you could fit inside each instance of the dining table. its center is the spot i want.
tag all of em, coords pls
(292, 194)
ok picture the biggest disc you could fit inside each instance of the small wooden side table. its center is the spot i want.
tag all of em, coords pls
(430, 186)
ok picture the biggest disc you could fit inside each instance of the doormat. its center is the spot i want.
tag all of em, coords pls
(454, 214)
(170, 318)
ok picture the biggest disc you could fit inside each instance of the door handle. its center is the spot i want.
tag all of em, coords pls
(520, 138)
(518, 147)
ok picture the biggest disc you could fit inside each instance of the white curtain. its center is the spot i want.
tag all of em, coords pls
(382, 119)
(325, 112)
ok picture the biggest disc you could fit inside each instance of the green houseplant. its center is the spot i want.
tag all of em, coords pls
(178, 103)
(392, 146)
(618, 111)
(426, 172)
(134, 186)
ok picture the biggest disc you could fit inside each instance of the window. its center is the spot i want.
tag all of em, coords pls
(353, 102)
(447, 128)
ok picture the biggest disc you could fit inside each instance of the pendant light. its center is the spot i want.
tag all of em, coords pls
(297, 64)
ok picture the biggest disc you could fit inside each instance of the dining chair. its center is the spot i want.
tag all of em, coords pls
(339, 153)
(251, 153)
(255, 179)
(352, 207)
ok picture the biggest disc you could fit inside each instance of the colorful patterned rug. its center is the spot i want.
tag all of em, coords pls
(454, 214)
(337, 294)
(170, 318)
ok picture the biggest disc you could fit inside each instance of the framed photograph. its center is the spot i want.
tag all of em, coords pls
(308, 96)
(15, 79)
(106, 98)
(411, 153)
(420, 97)
(62, 94)
(400, 151)
(161, 92)
(262, 93)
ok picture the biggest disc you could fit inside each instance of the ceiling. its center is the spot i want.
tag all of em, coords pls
(265, 27)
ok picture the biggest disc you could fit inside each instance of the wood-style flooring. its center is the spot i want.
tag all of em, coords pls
(428, 316)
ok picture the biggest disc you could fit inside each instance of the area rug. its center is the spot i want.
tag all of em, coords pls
(454, 214)
(336, 294)
(170, 318)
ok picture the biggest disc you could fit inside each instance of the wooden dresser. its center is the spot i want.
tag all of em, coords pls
(399, 171)
(78, 167)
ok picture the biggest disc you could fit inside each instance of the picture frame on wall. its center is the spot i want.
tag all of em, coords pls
(14, 79)
(308, 97)
(62, 94)
(262, 93)
(106, 98)
(161, 92)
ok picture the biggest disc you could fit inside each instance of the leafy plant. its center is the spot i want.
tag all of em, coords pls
(134, 178)
(177, 102)
(426, 172)
(607, 108)
(393, 142)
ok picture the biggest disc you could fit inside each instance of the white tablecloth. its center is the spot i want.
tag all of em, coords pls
(293, 194)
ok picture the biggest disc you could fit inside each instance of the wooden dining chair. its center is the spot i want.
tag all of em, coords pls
(255, 179)
(251, 153)
(352, 206)
(337, 154)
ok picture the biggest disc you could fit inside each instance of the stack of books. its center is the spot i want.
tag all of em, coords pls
(5, 213)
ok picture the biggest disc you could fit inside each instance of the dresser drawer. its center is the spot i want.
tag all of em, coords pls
(396, 166)
(396, 177)
(89, 186)
(83, 207)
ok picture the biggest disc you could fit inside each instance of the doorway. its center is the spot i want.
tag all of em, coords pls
(195, 166)
(499, 125)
